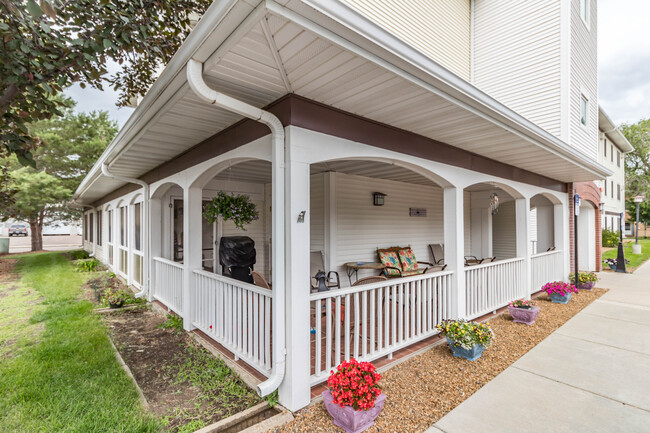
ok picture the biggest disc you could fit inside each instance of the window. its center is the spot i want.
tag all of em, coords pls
(618, 158)
(99, 228)
(583, 109)
(85, 223)
(137, 224)
(611, 191)
(605, 146)
(123, 229)
(90, 227)
(584, 11)
(611, 154)
(110, 226)
(605, 187)
(618, 192)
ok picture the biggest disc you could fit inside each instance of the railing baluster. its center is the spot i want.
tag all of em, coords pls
(337, 318)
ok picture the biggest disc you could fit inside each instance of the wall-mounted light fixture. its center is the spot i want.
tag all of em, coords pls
(378, 198)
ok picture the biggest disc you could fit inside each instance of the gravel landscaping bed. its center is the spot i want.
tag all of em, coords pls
(426, 387)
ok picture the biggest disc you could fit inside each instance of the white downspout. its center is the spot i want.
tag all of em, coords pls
(74, 202)
(201, 89)
(145, 218)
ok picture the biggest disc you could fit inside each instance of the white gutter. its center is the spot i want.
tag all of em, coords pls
(74, 203)
(145, 218)
(198, 85)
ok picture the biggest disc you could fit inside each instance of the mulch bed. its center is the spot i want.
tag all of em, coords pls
(157, 358)
(426, 387)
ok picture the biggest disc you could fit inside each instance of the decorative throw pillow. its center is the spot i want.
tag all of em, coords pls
(407, 258)
(390, 260)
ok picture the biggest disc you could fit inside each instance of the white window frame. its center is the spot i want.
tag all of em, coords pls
(585, 98)
(585, 12)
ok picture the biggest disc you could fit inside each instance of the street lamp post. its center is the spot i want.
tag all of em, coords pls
(620, 258)
(636, 248)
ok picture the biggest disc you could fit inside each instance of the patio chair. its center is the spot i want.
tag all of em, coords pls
(436, 268)
(400, 262)
(437, 253)
(259, 280)
(317, 264)
(370, 280)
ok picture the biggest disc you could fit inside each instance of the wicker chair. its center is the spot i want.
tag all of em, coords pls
(370, 280)
(437, 253)
(259, 280)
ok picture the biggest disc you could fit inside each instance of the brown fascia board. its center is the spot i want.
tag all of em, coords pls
(298, 111)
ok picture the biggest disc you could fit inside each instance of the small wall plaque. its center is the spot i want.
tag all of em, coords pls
(417, 212)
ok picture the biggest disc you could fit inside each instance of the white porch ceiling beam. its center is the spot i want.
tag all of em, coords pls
(276, 55)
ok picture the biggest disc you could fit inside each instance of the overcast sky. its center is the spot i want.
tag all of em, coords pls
(623, 57)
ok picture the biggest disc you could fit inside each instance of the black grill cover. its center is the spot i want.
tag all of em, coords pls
(237, 257)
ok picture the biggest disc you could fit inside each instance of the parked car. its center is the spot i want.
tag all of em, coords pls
(18, 230)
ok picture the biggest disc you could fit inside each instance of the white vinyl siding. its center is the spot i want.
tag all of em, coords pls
(584, 81)
(504, 233)
(317, 212)
(362, 228)
(439, 29)
(516, 57)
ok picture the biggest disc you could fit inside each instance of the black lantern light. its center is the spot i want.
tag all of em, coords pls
(378, 198)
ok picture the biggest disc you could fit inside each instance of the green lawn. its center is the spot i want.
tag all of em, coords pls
(58, 372)
(636, 260)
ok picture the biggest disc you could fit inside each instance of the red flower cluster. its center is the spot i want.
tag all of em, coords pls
(354, 384)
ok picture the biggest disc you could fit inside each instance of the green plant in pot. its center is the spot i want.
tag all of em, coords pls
(115, 298)
(586, 280)
(231, 207)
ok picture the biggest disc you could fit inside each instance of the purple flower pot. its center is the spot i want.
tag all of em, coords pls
(523, 315)
(470, 354)
(349, 419)
(559, 299)
(587, 286)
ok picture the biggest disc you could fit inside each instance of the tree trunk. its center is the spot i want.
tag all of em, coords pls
(36, 228)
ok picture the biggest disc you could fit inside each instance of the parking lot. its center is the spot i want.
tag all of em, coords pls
(22, 244)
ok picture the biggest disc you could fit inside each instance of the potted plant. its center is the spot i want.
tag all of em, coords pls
(354, 400)
(230, 207)
(612, 263)
(523, 311)
(115, 298)
(586, 280)
(466, 339)
(559, 291)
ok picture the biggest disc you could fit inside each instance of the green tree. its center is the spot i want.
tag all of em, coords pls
(637, 163)
(35, 192)
(47, 46)
(70, 145)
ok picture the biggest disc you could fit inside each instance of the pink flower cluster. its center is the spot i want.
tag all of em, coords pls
(354, 384)
(559, 287)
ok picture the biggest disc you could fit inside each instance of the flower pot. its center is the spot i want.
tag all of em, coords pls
(587, 286)
(559, 299)
(349, 419)
(523, 315)
(612, 267)
(118, 305)
(470, 354)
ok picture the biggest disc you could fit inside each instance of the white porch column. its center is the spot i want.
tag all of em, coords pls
(561, 226)
(155, 240)
(295, 391)
(192, 237)
(522, 212)
(454, 229)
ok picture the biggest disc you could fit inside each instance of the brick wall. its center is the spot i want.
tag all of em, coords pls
(589, 192)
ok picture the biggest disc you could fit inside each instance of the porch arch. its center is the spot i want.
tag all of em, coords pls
(201, 180)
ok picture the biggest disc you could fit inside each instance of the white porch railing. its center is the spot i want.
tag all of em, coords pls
(546, 267)
(168, 283)
(369, 321)
(493, 285)
(237, 315)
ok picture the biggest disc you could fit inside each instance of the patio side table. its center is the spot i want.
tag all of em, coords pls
(353, 268)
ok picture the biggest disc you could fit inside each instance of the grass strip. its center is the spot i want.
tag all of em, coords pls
(70, 380)
(636, 260)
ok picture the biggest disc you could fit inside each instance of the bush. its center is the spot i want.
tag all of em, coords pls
(87, 265)
(610, 238)
(79, 254)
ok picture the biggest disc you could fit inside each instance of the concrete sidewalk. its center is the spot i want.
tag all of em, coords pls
(591, 375)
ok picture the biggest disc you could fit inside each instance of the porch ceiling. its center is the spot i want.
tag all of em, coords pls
(263, 54)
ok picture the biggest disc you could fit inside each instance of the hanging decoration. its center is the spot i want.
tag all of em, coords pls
(230, 207)
(494, 203)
